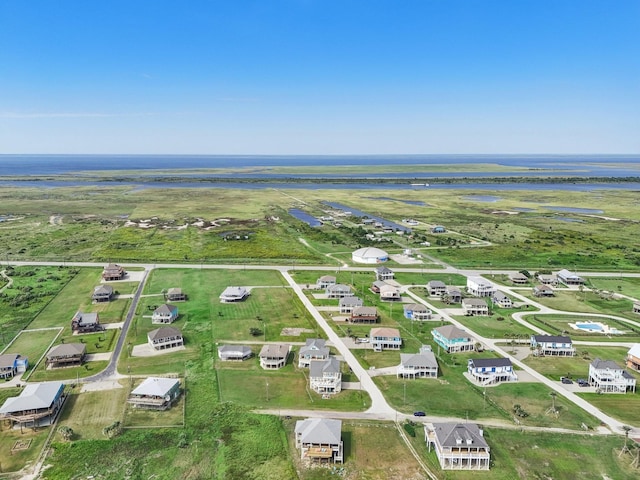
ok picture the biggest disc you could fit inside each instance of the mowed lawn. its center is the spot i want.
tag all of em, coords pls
(559, 325)
(624, 407)
(491, 327)
(89, 412)
(33, 345)
(577, 366)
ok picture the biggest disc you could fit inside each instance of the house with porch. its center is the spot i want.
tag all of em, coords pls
(418, 365)
(113, 272)
(636, 307)
(12, 364)
(475, 306)
(313, 349)
(502, 300)
(338, 290)
(66, 355)
(325, 281)
(436, 288)
(480, 287)
(389, 293)
(385, 338)
(165, 313)
(453, 294)
(155, 393)
(608, 377)
(176, 294)
(102, 293)
(518, 278)
(553, 345)
(234, 353)
(164, 338)
(487, 371)
(86, 322)
(37, 405)
(633, 357)
(348, 304)
(377, 285)
(364, 315)
(543, 290)
(453, 339)
(569, 278)
(274, 356)
(234, 294)
(384, 273)
(458, 446)
(320, 440)
(417, 312)
(325, 376)
(547, 279)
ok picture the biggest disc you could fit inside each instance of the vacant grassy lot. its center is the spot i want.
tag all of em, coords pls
(33, 344)
(40, 374)
(88, 413)
(625, 408)
(491, 327)
(577, 366)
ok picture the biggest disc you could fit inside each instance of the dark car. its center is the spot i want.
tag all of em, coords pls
(419, 414)
(566, 380)
(582, 382)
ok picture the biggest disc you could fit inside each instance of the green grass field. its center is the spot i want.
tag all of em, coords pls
(33, 344)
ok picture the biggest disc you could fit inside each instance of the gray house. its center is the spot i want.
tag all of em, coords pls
(320, 440)
(66, 355)
(234, 353)
(164, 338)
(102, 293)
(313, 349)
(418, 365)
(458, 446)
(155, 393)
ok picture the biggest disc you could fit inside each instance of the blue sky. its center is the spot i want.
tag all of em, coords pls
(320, 76)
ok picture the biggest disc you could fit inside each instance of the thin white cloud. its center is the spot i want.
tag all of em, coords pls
(72, 114)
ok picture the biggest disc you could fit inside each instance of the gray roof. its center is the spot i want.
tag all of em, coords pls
(319, 367)
(327, 278)
(422, 359)
(451, 332)
(278, 350)
(551, 339)
(451, 289)
(8, 360)
(174, 291)
(605, 364)
(67, 349)
(499, 296)
(86, 318)
(234, 350)
(368, 311)
(490, 362)
(234, 292)
(103, 290)
(165, 309)
(319, 430)
(379, 283)
(33, 397)
(416, 307)
(164, 332)
(351, 301)
(436, 284)
(450, 435)
(474, 302)
(383, 269)
(155, 387)
(315, 345)
(339, 287)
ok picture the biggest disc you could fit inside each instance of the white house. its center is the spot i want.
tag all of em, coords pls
(385, 338)
(491, 370)
(234, 294)
(569, 278)
(326, 280)
(458, 446)
(338, 290)
(164, 338)
(436, 288)
(348, 304)
(319, 440)
(518, 278)
(274, 356)
(384, 273)
(480, 287)
(554, 345)
(417, 312)
(418, 365)
(325, 376)
(389, 293)
(502, 300)
(165, 314)
(234, 353)
(313, 349)
(608, 377)
(453, 339)
(474, 306)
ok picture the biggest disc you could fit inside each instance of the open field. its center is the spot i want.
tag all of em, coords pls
(624, 407)
(577, 366)
(491, 327)
(87, 369)
(89, 412)
(33, 344)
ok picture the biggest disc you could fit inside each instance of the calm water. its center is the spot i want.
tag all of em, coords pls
(610, 166)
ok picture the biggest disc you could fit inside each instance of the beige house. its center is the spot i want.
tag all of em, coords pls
(113, 272)
(176, 295)
(66, 355)
(164, 338)
(155, 393)
(475, 306)
(165, 314)
(458, 446)
(385, 338)
(274, 356)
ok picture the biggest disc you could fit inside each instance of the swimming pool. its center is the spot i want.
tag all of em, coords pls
(590, 327)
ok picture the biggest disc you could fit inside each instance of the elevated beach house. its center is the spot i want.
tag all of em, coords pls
(417, 312)
(338, 290)
(608, 377)
(234, 353)
(384, 273)
(165, 338)
(155, 393)
(320, 440)
(66, 355)
(348, 304)
(436, 288)
(176, 294)
(274, 356)
(475, 306)
(558, 345)
(313, 349)
(633, 357)
(234, 294)
(418, 365)
(36, 406)
(458, 446)
(102, 293)
(11, 364)
(113, 272)
(453, 339)
(364, 315)
(325, 376)
(86, 322)
(569, 278)
(385, 338)
(480, 287)
(165, 313)
(487, 371)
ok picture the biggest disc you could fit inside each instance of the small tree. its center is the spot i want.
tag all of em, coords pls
(66, 432)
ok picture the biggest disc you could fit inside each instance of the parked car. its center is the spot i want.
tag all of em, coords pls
(566, 380)
(419, 414)
(582, 382)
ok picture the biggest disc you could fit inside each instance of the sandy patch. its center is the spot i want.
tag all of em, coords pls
(295, 332)
(145, 350)
(99, 386)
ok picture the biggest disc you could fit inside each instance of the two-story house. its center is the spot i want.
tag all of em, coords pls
(418, 365)
(320, 440)
(502, 300)
(385, 338)
(325, 376)
(558, 345)
(487, 371)
(338, 290)
(165, 314)
(633, 357)
(313, 349)
(453, 339)
(384, 273)
(348, 304)
(164, 338)
(475, 306)
(458, 446)
(436, 288)
(417, 312)
(480, 287)
(364, 315)
(608, 377)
